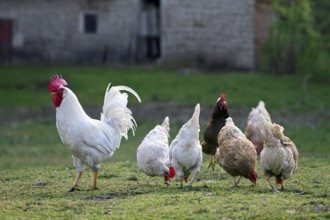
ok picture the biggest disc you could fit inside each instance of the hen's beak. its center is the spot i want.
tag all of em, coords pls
(53, 93)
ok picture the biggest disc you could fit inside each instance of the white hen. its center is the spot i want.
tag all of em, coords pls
(91, 141)
(153, 153)
(253, 130)
(185, 150)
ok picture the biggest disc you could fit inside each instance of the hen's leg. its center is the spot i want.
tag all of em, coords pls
(236, 182)
(193, 177)
(271, 185)
(220, 172)
(211, 163)
(239, 178)
(95, 174)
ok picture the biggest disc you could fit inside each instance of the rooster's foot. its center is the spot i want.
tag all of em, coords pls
(94, 188)
(74, 189)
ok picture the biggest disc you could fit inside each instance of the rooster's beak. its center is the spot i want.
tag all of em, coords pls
(53, 93)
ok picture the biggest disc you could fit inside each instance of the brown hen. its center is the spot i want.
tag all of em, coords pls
(237, 154)
(279, 158)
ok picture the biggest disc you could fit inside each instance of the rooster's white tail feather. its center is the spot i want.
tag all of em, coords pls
(115, 111)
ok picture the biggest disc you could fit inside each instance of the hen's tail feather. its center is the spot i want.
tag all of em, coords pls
(263, 111)
(195, 116)
(267, 128)
(115, 112)
(166, 124)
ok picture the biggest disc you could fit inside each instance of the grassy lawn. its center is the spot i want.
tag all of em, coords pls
(27, 87)
(36, 169)
(41, 192)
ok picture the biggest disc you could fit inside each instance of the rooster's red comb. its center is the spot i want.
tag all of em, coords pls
(223, 97)
(55, 82)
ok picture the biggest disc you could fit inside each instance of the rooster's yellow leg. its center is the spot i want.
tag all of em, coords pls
(95, 179)
(75, 184)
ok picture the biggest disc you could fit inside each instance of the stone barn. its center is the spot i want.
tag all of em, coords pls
(219, 33)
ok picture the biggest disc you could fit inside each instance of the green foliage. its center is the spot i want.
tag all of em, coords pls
(321, 10)
(294, 44)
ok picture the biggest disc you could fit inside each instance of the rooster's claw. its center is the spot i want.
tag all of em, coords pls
(93, 189)
(74, 189)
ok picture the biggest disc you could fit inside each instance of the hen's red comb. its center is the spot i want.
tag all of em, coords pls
(172, 172)
(279, 182)
(55, 82)
(223, 97)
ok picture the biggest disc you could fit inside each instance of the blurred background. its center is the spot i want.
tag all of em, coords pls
(174, 54)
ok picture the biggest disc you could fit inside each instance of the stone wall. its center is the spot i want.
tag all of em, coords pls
(214, 33)
(50, 31)
(217, 33)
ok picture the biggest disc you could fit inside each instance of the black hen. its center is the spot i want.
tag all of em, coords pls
(213, 127)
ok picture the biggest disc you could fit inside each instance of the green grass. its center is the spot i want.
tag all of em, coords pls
(41, 193)
(36, 169)
(38, 143)
(27, 87)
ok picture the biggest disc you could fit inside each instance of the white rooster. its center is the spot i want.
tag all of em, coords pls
(185, 150)
(153, 153)
(91, 141)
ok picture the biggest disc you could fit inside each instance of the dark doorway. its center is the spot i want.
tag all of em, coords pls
(150, 29)
(5, 40)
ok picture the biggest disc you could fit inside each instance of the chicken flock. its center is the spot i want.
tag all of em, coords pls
(91, 141)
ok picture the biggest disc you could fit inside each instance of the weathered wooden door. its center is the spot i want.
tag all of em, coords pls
(149, 46)
(5, 40)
